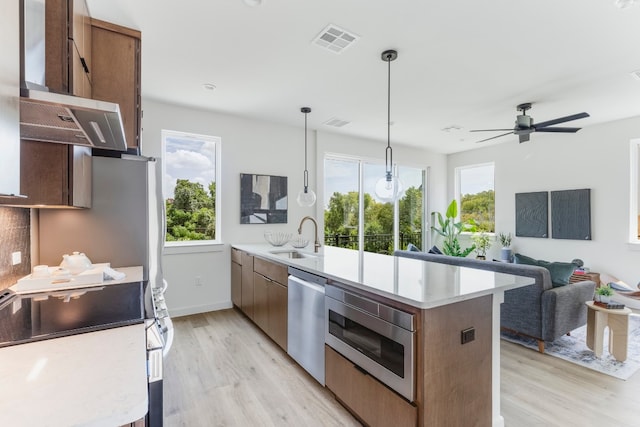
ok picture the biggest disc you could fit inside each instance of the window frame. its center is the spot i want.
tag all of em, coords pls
(188, 246)
(634, 189)
(361, 161)
(458, 192)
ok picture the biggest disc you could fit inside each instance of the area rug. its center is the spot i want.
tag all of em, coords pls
(573, 348)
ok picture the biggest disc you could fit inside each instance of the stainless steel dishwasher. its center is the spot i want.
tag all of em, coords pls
(306, 321)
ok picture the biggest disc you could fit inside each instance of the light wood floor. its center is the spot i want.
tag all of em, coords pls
(223, 371)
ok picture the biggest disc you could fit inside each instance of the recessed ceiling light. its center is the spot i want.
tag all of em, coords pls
(636, 74)
(623, 4)
(253, 3)
(209, 86)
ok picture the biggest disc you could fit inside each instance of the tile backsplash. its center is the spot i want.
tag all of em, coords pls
(15, 225)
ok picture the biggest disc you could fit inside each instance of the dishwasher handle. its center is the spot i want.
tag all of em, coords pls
(307, 277)
(302, 282)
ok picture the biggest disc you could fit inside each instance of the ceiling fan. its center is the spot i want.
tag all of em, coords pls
(525, 126)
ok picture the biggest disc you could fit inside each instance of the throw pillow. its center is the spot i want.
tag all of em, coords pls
(523, 259)
(560, 272)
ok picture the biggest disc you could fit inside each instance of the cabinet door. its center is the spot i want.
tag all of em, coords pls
(80, 49)
(277, 301)
(261, 301)
(44, 172)
(247, 285)
(116, 73)
(236, 284)
(365, 396)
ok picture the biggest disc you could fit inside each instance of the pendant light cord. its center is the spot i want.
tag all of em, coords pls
(388, 157)
(305, 110)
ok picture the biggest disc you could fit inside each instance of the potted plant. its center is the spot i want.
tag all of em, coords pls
(505, 241)
(603, 294)
(482, 242)
(450, 230)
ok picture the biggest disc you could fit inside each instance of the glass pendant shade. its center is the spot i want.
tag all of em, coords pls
(389, 188)
(306, 198)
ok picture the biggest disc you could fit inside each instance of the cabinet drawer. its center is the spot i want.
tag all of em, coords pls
(276, 272)
(236, 256)
(365, 396)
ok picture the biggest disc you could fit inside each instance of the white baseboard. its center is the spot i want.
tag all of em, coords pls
(195, 309)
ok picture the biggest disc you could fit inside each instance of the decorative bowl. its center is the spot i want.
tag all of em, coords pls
(277, 238)
(299, 242)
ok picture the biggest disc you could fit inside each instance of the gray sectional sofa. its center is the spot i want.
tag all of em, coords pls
(540, 311)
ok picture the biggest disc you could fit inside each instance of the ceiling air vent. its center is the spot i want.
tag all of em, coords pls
(636, 74)
(335, 38)
(336, 122)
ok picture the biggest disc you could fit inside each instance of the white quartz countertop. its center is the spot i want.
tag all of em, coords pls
(132, 274)
(414, 282)
(93, 379)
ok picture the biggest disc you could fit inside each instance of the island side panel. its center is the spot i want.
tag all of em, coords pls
(454, 379)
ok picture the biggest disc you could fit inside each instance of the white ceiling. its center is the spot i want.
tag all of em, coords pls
(466, 63)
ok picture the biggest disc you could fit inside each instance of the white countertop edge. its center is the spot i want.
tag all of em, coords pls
(262, 250)
(132, 274)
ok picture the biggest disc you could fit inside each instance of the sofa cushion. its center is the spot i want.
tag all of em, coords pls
(560, 271)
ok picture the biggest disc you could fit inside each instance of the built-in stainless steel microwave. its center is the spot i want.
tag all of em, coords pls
(377, 338)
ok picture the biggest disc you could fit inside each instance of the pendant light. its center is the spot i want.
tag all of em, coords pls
(389, 188)
(306, 197)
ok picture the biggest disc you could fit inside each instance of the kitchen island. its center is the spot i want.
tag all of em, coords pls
(456, 383)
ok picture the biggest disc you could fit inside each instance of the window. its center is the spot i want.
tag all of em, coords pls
(476, 196)
(634, 197)
(191, 172)
(354, 218)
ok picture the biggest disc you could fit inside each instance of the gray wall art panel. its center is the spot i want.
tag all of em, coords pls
(571, 214)
(532, 214)
(263, 199)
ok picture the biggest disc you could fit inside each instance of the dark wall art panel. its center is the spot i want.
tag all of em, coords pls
(532, 217)
(571, 214)
(263, 199)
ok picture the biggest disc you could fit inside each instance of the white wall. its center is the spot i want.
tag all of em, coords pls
(597, 158)
(250, 146)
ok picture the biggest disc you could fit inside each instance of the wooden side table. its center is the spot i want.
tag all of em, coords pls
(617, 320)
(593, 276)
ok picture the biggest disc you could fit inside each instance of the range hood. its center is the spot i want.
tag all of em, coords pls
(66, 119)
(55, 117)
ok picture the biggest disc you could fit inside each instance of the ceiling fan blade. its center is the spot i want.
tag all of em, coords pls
(524, 137)
(559, 130)
(490, 130)
(494, 137)
(561, 120)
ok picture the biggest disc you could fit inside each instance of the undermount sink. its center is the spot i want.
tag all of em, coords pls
(291, 253)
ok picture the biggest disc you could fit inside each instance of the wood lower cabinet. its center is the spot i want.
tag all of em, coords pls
(270, 300)
(261, 302)
(367, 398)
(247, 285)
(277, 299)
(236, 277)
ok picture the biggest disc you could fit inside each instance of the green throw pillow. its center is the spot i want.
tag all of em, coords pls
(523, 259)
(560, 272)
